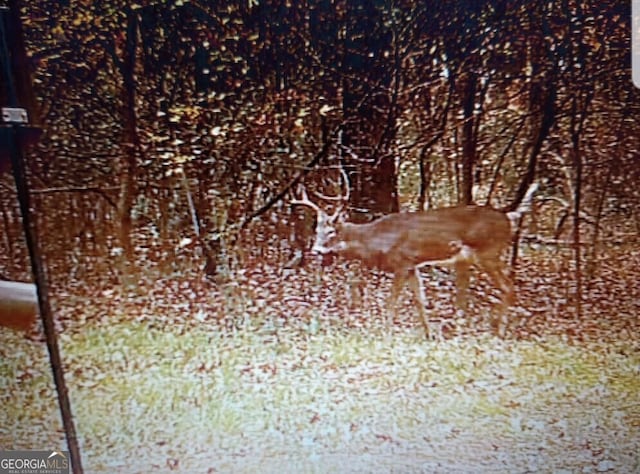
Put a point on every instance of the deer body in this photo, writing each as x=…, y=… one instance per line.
x=415, y=239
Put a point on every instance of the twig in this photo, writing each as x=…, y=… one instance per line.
x=80, y=189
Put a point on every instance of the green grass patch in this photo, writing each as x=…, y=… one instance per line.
x=136, y=388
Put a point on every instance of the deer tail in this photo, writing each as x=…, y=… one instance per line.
x=525, y=205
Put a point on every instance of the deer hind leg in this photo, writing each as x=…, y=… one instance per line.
x=496, y=273
x=502, y=281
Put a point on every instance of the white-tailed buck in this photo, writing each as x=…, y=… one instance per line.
x=401, y=243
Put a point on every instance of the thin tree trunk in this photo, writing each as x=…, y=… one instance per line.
x=369, y=113
x=593, y=252
x=7, y=232
x=577, y=164
x=425, y=180
x=542, y=98
x=469, y=150
x=577, y=124
x=131, y=139
x=547, y=119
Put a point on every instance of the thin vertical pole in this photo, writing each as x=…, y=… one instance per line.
x=37, y=268
x=12, y=132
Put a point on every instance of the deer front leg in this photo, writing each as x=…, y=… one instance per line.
x=463, y=272
x=355, y=287
x=413, y=277
x=396, y=288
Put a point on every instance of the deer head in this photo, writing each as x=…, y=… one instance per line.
x=328, y=226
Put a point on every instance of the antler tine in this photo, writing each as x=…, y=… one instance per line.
x=305, y=201
x=344, y=198
x=340, y=197
x=345, y=180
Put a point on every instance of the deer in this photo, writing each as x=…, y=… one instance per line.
x=402, y=243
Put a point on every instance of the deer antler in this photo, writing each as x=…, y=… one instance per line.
x=340, y=197
x=305, y=201
x=343, y=198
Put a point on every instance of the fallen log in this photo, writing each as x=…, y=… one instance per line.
x=18, y=305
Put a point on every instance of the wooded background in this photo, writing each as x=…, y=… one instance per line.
x=197, y=332
x=173, y=122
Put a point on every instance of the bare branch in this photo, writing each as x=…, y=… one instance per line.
x=80, y=189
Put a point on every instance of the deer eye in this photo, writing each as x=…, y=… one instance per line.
x=329, y=232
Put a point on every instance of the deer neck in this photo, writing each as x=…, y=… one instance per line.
x=352, y=240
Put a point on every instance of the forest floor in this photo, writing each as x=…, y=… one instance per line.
x=276, y=373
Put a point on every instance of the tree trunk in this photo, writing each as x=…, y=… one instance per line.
x=424, y=200
x=369, y=114
x=131, y=143
x=469, y=151
x=542, y=99
x=577, y=165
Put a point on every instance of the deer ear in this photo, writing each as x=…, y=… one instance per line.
x=341, y=216
x=338, y=221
